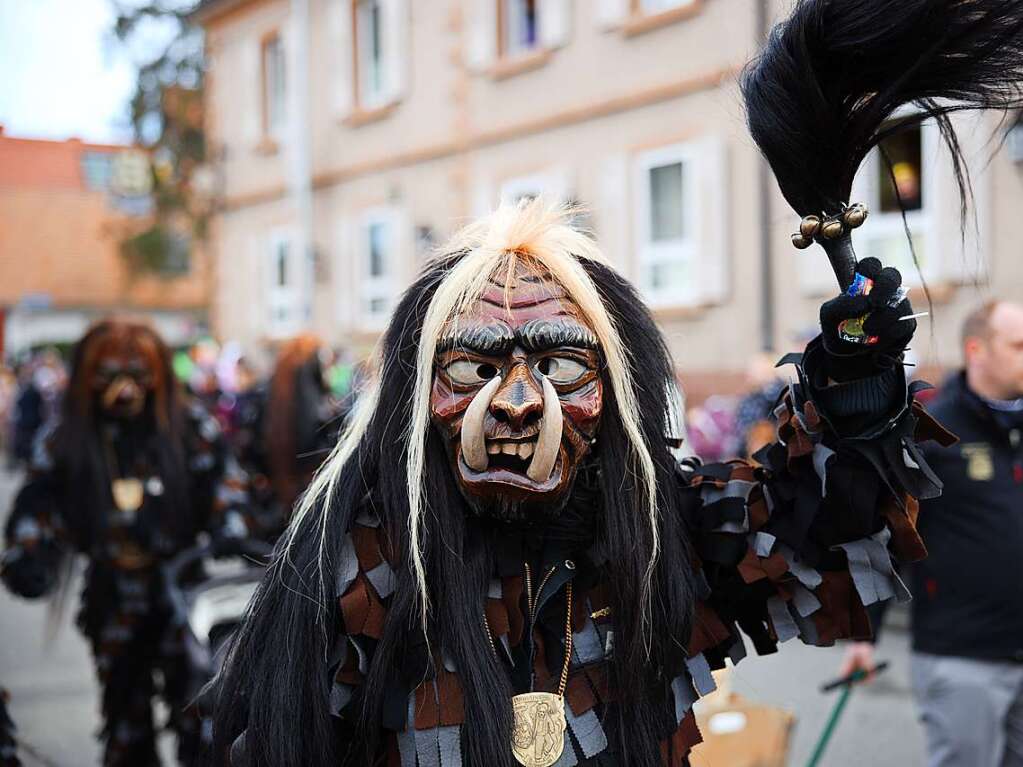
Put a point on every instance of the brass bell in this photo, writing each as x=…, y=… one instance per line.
x=855, y=215
x=801, y=241
x=809, y=225
x=832, y=229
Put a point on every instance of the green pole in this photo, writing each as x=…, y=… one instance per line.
x=836, y=713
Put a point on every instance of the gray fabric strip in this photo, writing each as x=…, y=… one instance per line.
x=737, y=651
x=367, y=518
x=735, y=488
x=568, y=756
x=494, y=590
x=427, y=747
x=804, y=574
x=821, y=454
x=340, y=696
x=383, y=579
x=363, y=658
x=348, y=568
x=448, y=661
x=685, y=696
x=449, y=739
x=871, y=567
x=782, y=621
x=763, y=544
x=407, y=738
x=807, y=630
x=587, y=731
x=586, y=644
x=805, y=602
x=700, y=671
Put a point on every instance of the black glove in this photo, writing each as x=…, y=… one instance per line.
x=860, y=351
x=30, y=575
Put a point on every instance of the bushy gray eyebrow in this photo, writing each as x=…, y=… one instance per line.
x=540, y=335
x=493, y=339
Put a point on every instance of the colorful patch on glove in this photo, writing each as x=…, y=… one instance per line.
x=851, y=330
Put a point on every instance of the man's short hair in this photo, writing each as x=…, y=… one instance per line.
x=978, y=322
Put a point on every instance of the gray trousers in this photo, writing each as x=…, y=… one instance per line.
x=972, y=710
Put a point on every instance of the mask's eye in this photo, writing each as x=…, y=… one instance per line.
x=561, y=370
x=468, y=373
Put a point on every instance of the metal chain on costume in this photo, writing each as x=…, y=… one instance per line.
x=531, y=605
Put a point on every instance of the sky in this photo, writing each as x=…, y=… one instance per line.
x=62, y=75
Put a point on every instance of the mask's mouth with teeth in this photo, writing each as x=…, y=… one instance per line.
x=531, y=463
x=510, y=455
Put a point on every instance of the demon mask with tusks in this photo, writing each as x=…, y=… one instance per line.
x=517, y=395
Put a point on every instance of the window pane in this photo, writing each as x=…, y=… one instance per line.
x=519, y=26
x=97, y=167
x=666, y=219
x=378, y=245
x=370, y=46
x=904, y=153
x=670, y=275
x=377, y=306
x=282, y=265
x=655, y=6
x=274, y=84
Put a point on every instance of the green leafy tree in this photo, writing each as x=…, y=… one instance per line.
x=167, y=120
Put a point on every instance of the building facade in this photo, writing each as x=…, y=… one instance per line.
x=65, y=206
x=355, y=135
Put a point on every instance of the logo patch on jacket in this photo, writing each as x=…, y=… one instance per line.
x=980, y=465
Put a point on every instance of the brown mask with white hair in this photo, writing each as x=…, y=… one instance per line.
x=517, y=396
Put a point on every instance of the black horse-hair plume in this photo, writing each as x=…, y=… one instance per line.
x=831, y=78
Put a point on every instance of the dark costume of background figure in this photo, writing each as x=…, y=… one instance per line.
x=280, y=447
x=414, y=597
x=172, y=454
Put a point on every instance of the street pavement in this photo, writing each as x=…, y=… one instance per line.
x=54, y=699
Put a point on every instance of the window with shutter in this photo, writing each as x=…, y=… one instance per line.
x=680, y=194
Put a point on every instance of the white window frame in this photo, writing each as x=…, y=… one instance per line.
x=888, y=227
x=275, y=100
x=379, y=93
x=656, y=7
x=287, y=307
x=507, y=42
x=683, y=250
x=382, y=287
x=705, y=209
x=553, y=185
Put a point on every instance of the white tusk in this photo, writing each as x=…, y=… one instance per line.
x=549, y=441
x=474, y=445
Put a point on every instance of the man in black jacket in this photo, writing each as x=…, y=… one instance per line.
x=967, y=667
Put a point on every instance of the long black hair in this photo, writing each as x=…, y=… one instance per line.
x=828, y=84
x=276, y=685
x=77, y=446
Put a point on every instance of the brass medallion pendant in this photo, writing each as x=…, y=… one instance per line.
x=128, y=493
x=538, y=737
x=539, y=724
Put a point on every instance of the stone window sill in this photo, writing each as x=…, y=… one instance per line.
x=640, y=23
x=364, y=116
x=517, y=65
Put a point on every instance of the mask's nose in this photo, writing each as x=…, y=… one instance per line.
x=519, y=401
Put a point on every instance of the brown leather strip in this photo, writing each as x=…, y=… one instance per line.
x=355, y=605
x=675, y=750
x=579, y=693
x=497, y=617
x=367, y=548
x=452, y=699
x=841, y=615
x=708, y=630
x=906, y=541
x=928, y=428
x=427, y=709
